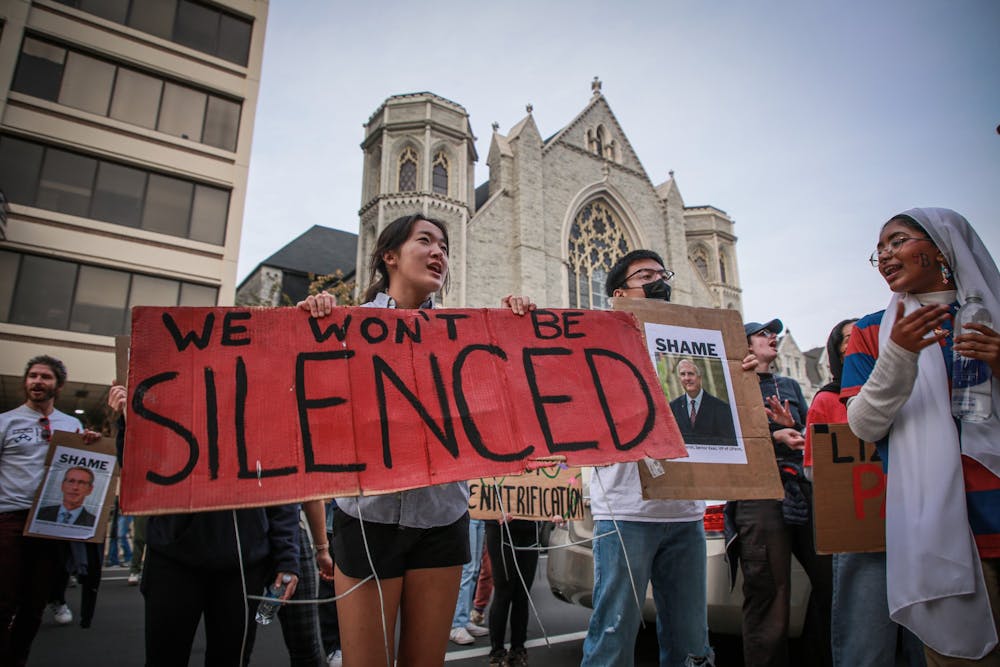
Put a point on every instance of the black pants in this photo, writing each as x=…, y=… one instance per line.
x=177, y=595
x=509, y=594
x=766, y=546
x=329, y=626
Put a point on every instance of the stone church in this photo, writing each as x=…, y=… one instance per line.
x=555, y=213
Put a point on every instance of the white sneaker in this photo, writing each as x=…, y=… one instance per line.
x=61, y=613
x=461, y=636
x=133, y=579
x=476, y=630
x=335, y=659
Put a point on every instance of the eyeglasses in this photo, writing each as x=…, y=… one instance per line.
x=765, y=333
x=46, y=429
x=892, y=247
x=647, y=276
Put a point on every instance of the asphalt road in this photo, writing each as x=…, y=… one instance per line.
x=116, y=636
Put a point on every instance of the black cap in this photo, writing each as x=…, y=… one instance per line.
x=774, y=325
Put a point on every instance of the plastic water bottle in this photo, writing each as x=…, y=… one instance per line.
x=268, y=608
x=971, y=379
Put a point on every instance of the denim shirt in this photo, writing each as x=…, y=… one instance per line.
x=427, y=507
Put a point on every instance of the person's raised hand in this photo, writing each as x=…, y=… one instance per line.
x=318, y=305
x=983, y=345
x=910, y=331
x=519, y=304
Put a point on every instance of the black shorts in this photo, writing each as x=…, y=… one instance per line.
x=396, y=549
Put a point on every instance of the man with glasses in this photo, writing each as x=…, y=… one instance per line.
x=704, y=419
x=664, y=540
x=27, y=564
x=77, y=484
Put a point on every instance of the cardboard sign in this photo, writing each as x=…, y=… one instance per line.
x=848, y=491
x=76, y=495
x=234, y=407
x=741, y=471
x=540, y=494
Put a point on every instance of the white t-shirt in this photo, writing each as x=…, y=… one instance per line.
x=22, y=453
x=616, y=489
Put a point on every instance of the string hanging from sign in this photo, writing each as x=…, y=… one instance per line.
x=517, y=568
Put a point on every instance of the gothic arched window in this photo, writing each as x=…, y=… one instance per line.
x=596, y=241
x=408, y=170
x=440, y=174
x=700, y=261
x=722, y=269
x=599, y=141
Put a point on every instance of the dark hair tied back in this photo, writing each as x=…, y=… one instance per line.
x=392, y=238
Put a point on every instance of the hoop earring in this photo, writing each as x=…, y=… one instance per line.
x=945, y=273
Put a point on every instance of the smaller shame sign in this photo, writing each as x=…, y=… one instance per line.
x=237, y=407
x=848, y=491
x=542, y=494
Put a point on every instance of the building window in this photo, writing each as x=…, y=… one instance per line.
x=440, y=174
x=408, y=170
x=596, y=242
x=66, y=182
x=193, y=24
x=85, y=298
x=600, y=143
x=700, y=260
x=722, y=269
x=80, y=81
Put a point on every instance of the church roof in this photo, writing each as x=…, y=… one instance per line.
x=813, y=371
x=319, y=250
x=482, y=194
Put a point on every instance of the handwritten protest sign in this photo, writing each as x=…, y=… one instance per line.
x=237, y=407
x=848, y=491
x=75, y=497
x=720, y=466
x=538, y=494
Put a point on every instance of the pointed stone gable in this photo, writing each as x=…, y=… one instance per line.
x=598, y=113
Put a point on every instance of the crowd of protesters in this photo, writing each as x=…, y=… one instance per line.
x=931, y=598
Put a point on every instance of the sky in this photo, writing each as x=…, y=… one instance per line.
x=809, y=123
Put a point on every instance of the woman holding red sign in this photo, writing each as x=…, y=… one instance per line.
x=416, y=541
x=943, y=491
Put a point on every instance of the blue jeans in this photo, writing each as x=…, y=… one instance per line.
x=670, y=555
x=470, y=573
x=862, y=633
x=120, y=538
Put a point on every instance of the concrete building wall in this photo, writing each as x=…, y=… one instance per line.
x=37, y=231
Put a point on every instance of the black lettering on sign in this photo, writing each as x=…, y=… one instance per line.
x=540, y=400
x=230, y=331
x=471, y=430
x=305, y=404
x=241, y=433
x=183, y=340
x=445, y=433
x=647, y=425
x=139, y=408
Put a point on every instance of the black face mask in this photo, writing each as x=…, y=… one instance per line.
x=658, y=289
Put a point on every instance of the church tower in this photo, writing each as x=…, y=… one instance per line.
x=419, y=156
x=711, y=247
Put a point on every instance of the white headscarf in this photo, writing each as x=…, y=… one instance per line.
x=935, y=582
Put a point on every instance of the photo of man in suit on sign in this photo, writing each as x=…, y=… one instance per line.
x=703, y=419
x=77, y=484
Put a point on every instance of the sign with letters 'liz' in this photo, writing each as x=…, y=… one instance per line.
x=237, y=407
x=848, y=491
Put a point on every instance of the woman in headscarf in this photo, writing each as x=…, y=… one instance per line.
x=943, y=491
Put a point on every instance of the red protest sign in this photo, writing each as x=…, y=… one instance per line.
x=237, y=407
